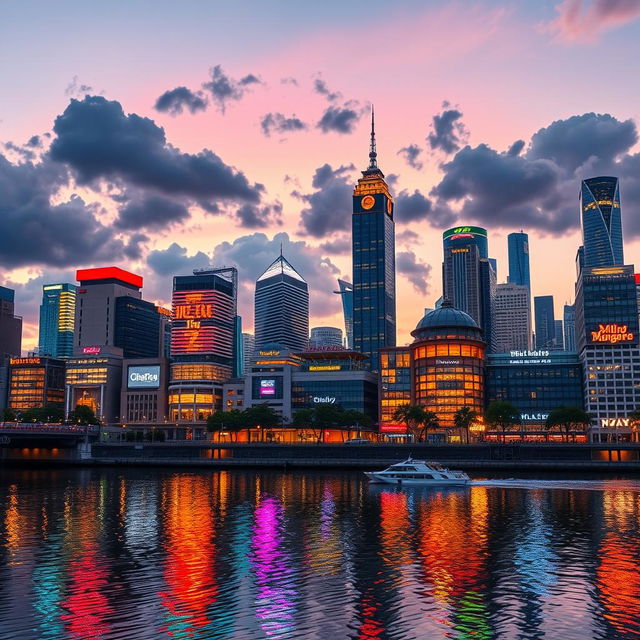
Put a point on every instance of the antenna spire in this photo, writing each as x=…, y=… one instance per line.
x=373, y=156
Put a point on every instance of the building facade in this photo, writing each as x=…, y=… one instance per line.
x=518, y=248
x=374, y=270
x=281, y=307
x=512, y=317
x=10, y=325
x=545, y=322
x=569, y=316
x=57, y=320
x=345, y=291
x=601, y=220
x=138, y=328
x=248, y=348
x=143, y=396
x=395, y=387
x=325, y=337
x=35, y=382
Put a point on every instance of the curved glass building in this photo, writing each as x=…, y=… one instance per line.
x=601, y=220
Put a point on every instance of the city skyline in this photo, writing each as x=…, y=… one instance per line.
x=305, y=162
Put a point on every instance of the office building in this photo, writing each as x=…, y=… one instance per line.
x=10, y=324
x=35, y=382
x=512, y=317
x=374, y=270
x=138, y=328
x=518, y=246
x=545, y=322
x=143, y=396
x=601, y=220
x=248, y=348
x=469, y=279
x=325, y=337
x=281, y=307
x=569, y=327
x=57, y=320
x=346, y=295
x=238, y=348
x=203, y=336
x=395, y=387
x=558, y=335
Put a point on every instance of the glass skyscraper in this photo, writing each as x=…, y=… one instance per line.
x=518, y=244
x=545, y=322
x=57, y=320
x=569, y=327
x=601, y=222
x=281, y=307
x=346, y=294
x=374, y=269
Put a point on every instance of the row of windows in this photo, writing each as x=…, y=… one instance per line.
x=431, y=351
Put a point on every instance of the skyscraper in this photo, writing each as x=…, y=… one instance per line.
x=469, y=279
x=601, y=222
x=282, y=307
x=248, y=348
x=10, y=324
x=374, y=267
x=518, y=244
x=325, y=337
x=346, y=294
x=545, y=322
x=512, y=318
x=569, y=327
x=57, y=319
x=558, y=335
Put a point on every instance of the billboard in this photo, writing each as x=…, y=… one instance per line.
x=267, y=388
x=87, y=397
x=143, y=376
x=611, y=333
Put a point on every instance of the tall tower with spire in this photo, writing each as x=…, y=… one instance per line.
x=374, y=261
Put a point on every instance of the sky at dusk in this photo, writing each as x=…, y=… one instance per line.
x=162, y=136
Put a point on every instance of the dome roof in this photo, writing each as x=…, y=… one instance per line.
x=446, y=316
x=273, y=346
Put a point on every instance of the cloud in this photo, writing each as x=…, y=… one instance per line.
x=281, y=124
x=410, y=154
x=516, y=148
x=174, y=261
x=320, y=86
x=224, y=88
x=174, y=101
x=77, y=89
x=408, y=236
x=416, y=272
x=98, y=141
x=585, y=21
x=289, y=80
x=329, y=206
x=339, y=245
x=448, y=131
x=412, y=207
x=151, y=212
x=255, y=217
x=339, y=119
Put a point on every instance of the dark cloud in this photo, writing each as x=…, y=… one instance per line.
x=35, y=142
x=133, y=248
x=416, y=272
x=289, y=80
x=320, y=86
x=98, y=141
x=174, y=261
x=329, y=206
x=224, y=88
x=256, y=217
x=408, y=236
x=151, y=212
x=339, y=245
x=281, y=124
x=339, y=119
x=412, y=207
x=410, y=155
x=24, y=152
x=448, y=132
x=176, y=100
x=516, y=148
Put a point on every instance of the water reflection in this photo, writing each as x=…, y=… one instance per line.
x=116, y=555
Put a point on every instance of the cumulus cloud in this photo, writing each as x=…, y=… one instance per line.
x=411, y=155
x=412, y=207
x=258, y=217
x=174, y=260
x=416, y=272
x=151, y=212
x=223, y=88
x=585, y=20
x=329, y=206
x=280, y=123
x=448, y=132
x=339, y=245
x=515, y=148
x=99, y=141
x=176, y=100
x=339, y=119
x=320, y=86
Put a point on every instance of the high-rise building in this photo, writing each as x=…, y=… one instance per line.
x=558, y=335
x=10, y=324
x=202, y=342
x=518, y=245
x=374, y=268
x=57, y=320
x=601, y=222
x=282, y=307
x=248, y=349
x=346, y=295
x=512, y=318
x=469, y=279
x=137, y=328
x=545, y=322
x=36, y=382
x=569, y=327
x=325, y=337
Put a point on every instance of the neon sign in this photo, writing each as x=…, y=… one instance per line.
x=612, y=333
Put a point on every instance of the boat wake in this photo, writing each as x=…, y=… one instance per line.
x=585, y=485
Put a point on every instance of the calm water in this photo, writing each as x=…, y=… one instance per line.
x=89, y=554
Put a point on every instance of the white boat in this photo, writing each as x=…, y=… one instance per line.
x=419, y=473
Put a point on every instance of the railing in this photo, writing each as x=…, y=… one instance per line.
x=43, y=427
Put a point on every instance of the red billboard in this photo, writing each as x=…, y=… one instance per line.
x=393, y=428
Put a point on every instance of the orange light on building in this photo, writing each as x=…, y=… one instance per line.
x=612, y=333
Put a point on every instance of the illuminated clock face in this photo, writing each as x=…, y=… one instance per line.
x=389, y=207
x=367, y=202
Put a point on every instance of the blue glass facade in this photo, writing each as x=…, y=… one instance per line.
x=358, y=395
x=518, y=245
x=57, y=320
x=137, y=328
x=545, y=322
x=346, y=294
x=601, y=222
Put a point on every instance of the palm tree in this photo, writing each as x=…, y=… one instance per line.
x=412, y=416
x=463, y=419
x=429, y=421
x=634, y=419
x=502, y=415
x=568, y=418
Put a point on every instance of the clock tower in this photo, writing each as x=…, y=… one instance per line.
x=374, y=268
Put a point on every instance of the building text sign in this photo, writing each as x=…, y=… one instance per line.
x=612, y=333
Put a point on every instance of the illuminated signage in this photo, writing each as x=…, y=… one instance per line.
x=608, y=423
x=109, y=273
x=267, y=388
x=24, y=361
x=533, y=417
x=612, y=333
x=193, y=311
x=325, y=367
x=393, y=428
x=91, y=350
x=143, y=377
x=324, y=399
x=269, y=353
x=459, y=250
x=447, y=362
x=470, y=231
x=607, y=271
x=52, y=287
x=529, y=354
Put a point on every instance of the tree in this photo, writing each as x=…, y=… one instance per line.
x=231, y=421
x=412, y=416
x=634, y=419
x=9, y=415
x=568, y=419
x=48, y=413
x=463, y=419
x=502, y=415
x=262, y=416
x=83, y=415
x=429, y=421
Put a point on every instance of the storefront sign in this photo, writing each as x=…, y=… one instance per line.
x=324, y=399
x=325, y=367
x=448, y=362
x=15, y=361
x=91, y=350
x=269, y=353
x=529, y=354
x=614, y=423
x=143, y=377
x=393, y=428
x=612, y=333
x=533, y=417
